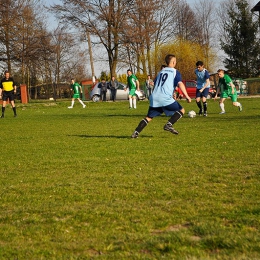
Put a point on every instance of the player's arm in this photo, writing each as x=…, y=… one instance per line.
x=137, y=85
x=217, y=91
x=205, y=85
x=232, y=86
x=184, y=91
x=1, y=91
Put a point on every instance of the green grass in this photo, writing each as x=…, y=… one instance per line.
x=74, y=185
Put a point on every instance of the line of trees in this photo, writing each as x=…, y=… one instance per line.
x=132, y=33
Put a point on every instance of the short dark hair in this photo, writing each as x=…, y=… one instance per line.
x=199, y=63
x=168, y=58
x=221, y=70
x=7, y=71
x=163, y=66
x=129, y=70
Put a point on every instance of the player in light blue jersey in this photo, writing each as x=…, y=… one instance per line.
x=162, y=101
x=203, y=85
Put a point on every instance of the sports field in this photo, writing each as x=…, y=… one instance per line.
x=74, y=185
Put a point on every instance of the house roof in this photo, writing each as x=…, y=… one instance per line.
x=256, y=7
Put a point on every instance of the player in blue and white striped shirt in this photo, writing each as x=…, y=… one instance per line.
x=162, y=101
x=203, y=85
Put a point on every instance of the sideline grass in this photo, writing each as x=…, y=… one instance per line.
x=74, y=185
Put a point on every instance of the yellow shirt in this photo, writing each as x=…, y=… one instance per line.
x=7, y=84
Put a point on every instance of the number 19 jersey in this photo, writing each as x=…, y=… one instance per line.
x=164, y=86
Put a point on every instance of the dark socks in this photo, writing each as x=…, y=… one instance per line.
x=14, y=109
x=205, y=106
x=141, y=125
x=199, y=105
x=176, y=116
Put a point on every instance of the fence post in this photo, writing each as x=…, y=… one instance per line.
x=24, y=95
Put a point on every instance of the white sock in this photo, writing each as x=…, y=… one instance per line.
x=72, y=103
x=81, y=102
x=238, y=104
x=130, y=102
x=222, y=107
x=134, y=102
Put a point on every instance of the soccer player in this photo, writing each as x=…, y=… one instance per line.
x=227, y=89
x=203, y=85
x=76, y=93
x=7, y=91
x=133, y=85
x=162, y=101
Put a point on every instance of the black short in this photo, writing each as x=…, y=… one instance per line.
x=8, y=95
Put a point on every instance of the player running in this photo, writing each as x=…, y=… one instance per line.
x=133, y=85
x=227, y=89
x=77, y=90
x=203, y=85
x=162, y=101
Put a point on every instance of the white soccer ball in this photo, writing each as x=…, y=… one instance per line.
x=191, y=113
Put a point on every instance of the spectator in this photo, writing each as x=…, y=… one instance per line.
x=113, y=86
x=103, y=90
x=149, y=86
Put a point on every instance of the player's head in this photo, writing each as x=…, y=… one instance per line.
x=200, y=65
x=170, y=60
x=129, y=72
x=221, y=73
x=7, y=74
x=72, y=80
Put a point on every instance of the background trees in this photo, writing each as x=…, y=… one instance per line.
x=240, y=40
x=123, y=34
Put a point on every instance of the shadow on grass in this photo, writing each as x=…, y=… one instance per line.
x=110, y=136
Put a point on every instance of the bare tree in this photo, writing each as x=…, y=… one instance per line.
x=207, y=27
x=102, y=19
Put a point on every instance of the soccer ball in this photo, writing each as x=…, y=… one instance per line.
x=191, y=113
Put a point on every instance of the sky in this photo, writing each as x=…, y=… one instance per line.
x=103, y=66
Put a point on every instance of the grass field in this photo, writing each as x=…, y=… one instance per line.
x=74, y=185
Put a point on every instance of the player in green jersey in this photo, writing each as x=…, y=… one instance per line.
x=227, y=89
x=77, y=90
x=133, y=85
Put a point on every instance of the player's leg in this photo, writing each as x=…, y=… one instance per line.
x=178, y=111
x=5, y=98
x=152, y=112
x=130, y=101
x=131, y=98
x=13, y=107
x=3, y=109
x=204, y=101
x=222, y=99
x=198, y=95
x=81, y=102
x=222, y=106
x=11, y=100
x=72, y=103
x=235, y=102
x=134, y=102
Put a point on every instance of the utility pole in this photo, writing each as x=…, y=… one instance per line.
x=91, y=56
